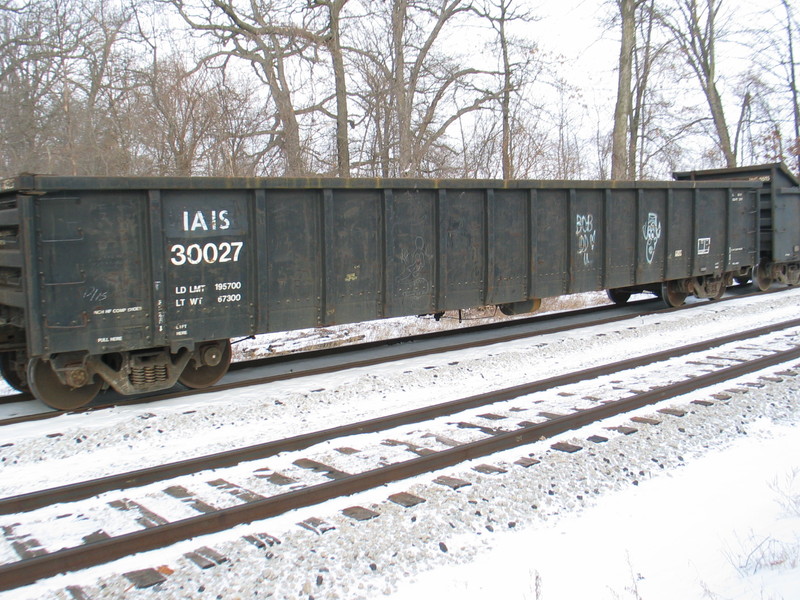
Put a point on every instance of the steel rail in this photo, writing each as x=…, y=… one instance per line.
x=32, y=569
x=86, y=489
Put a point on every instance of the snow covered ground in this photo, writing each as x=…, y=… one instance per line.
x=724, y=526
x=703, y=506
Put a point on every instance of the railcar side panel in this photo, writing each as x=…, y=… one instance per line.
x=207, y=243
x=786, y=225
x=649, y=231
x=353, y=255
x=742, y=230
x=411, y=241
x=509, y=254
x=586, y=240
x=552, y=233
x=620, y=235
x=463, y=248
x=294, y=258
x=710, y=226
x=88, y=261
x=680, y=234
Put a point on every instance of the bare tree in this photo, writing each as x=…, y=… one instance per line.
x=791, y=67
x=412, y=92
x=333, y=43
x=518, y=66
x=180, y=116
x=270, y=35
x=695, y=27
x=60, y=71
x=624, y=132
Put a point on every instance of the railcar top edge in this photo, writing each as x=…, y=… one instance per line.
x=49, y=183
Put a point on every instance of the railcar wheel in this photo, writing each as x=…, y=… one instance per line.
x=762, y=276
x=208, y=366
x=618, y=297
x=13, y=372
x=45, y=385
x=672, y=294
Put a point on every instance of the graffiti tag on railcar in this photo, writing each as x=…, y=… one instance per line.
x=412, y=281
x=651, y=231
x=587, y=237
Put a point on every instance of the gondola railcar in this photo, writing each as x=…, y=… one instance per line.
x=140, y=283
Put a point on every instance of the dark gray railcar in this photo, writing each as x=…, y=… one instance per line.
x=779, y=202
x=137, y=283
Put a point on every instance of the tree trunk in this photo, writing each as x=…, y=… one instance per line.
x=290, y=139
x=340, y=85
x=622, y=110
x=399, y=91
x=505, y=102
x=793, y=84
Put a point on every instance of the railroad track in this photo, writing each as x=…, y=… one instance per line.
x=484, y=435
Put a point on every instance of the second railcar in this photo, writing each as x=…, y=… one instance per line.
x=779, y=222
x=138, y=283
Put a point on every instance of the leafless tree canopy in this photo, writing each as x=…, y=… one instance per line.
x=389, y=88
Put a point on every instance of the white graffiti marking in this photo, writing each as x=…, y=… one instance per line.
x=651, y=231
x=587, y=237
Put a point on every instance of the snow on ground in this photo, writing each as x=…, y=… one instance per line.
x=700, y=507
x=727, y=525
x=317, y=338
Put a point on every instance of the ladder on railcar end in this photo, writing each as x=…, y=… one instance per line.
x=12, y=295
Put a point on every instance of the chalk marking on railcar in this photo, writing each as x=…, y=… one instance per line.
x=94, y=294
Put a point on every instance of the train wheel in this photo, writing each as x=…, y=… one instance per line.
x=762, y=276
x=208, y=366
x=13, y=371
x=618, y=297
x=672, y=294
x=45, y=385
